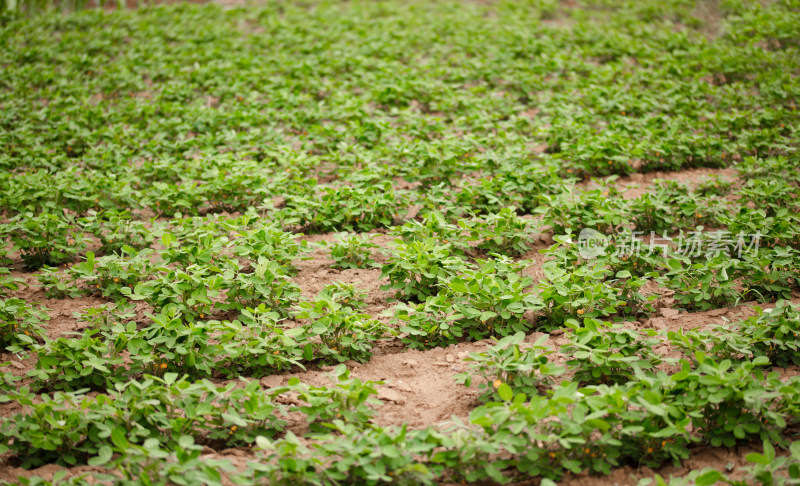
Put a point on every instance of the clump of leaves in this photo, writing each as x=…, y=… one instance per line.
x=489, y=301
x=21, y=323
x=346, y=208
x=352, y=251
x=601, y=353
x=506, y=364
x=502, y=232
x=58, y=284
x=86, y=361
x=270, y=243
x=348, y=399
x=769, y=273
x=415, y=268
x=772, y=333
x=706, y=284
x=714, y=186
x=46, y=239
x=116, y=229
x=341, y=330
x=602, y=209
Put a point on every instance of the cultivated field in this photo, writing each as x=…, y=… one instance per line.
x=412, y=242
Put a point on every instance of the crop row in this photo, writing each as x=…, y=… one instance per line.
x=615, y=410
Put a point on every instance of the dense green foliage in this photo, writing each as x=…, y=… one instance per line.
x=174, y=158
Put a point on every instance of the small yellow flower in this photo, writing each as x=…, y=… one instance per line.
x=163, y=366
x=497, y=383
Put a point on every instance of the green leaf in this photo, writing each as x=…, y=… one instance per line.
x=168, y=239
x=571, y=465
x=769, y=451
x=119, y=438
x=103, y=456
x=708, y=477
x=459, y=286
x=505, y=392
x=757, y=458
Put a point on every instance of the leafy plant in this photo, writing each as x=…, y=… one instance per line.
x=600, y=353
x=600, y=209
x=108, y=275
x=703, y=285
x=714, y=186
x=415, y=268
x=772, y=333
x=268, y=283
x=117, y=229
x=352, y=251
x=349, y=399
x=346, y=208
x=589, y=291
x=489, y=301
x=89, y=361
x=73, y=428
x=188, y=291
x=434, y=225
x=731, y=402
x=769, y=273
x=57, y=285
x=506, y=364
x=271, y=244
x=502, y=232
x=257, y=344
x=45, y=239
x=21, y=323
x=343, y=332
